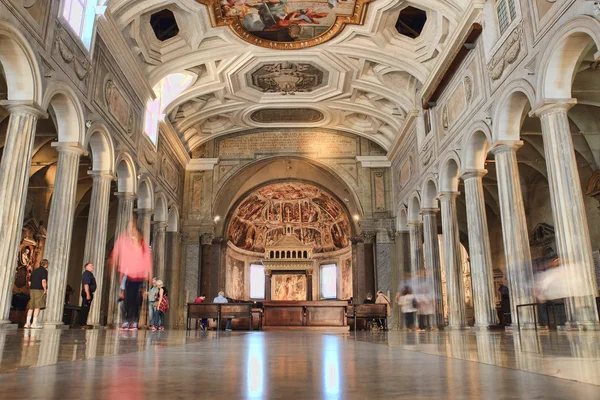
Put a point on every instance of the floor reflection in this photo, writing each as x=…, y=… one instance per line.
x=568, y=355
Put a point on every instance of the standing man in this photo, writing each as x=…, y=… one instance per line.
x=88, y=287
x=38, y=285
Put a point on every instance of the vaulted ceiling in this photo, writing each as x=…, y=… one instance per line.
x=363, y=80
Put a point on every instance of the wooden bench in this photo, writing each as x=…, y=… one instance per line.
x=219, y=311
x=367, y=311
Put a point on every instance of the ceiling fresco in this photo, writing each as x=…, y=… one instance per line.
x=287, y=115
x=317, y=219
x=286, y=24
x=287, y=77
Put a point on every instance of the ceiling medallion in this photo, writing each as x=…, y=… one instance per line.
x=286, y=24
x=287, y=77
x=287, y=115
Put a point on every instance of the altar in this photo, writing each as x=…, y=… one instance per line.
x=311, y=315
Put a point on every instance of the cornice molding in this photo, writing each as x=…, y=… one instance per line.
x=409, y=123
x=173, y=141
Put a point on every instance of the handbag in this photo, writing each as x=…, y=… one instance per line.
x=164, y=304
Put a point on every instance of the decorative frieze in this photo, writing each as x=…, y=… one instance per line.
x=506, y=55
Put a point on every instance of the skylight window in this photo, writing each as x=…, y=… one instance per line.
x=81, y=16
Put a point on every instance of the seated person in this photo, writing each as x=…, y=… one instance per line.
x=220, y=299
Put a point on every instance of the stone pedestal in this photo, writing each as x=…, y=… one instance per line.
x=432, y=263
x=60, y=229
x=14, y=177
x=95, y=239
x=514, y=231
x=124, y=217
x=482, y=275
x=455, y=291
x=570, y=220
x=158, y=249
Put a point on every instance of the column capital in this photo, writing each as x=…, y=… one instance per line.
x=473, y=173
x=24, y=107
x=448, y=195
x=416, y=222
x=356, y=239
x=206, y=238
x=503, y=146
x=550, y=106
x=159, y=224
x=69, y=147
x=126, y=195
x=102, y=175
x=144, y=211
x=429, y=211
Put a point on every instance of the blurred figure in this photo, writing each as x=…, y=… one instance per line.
x=133, y=258
x=369, y=299
x=38, y=288
x=408, y=305
x=220, y=299
x=425, y=307
x=199, y=300
x=152, y=293
x=88, y=287
x=382, y=299
x=161, y=306
x=504, y=304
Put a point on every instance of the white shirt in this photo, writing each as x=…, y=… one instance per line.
x=406, y=303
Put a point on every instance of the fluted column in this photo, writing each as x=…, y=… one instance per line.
x=205, y=273
x=514, y=231
x=158, y=249
x=415, y=229
x=14, y=178
x=60, y=229
x=432, y=263
x=95, y=239
x=124, y=217
x=455, y=291
x=570, y=220
x=144, y=223
x=479, y=250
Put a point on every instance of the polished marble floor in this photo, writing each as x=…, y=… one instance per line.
x=109, y=364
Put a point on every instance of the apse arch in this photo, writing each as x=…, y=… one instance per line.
x=70, y=120
x=23, y=76
x=513, y=106
x=560, y=60
x=100, y=144
x=281, y=168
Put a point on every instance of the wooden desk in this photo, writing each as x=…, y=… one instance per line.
x=305, y=314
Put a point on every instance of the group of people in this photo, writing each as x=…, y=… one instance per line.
x=412, y=305
x=158, y=303
x=220, y=299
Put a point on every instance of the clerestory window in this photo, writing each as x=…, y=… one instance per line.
x=81, y=16
x=506, y=11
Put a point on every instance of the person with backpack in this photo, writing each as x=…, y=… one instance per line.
x=408, y=305
x=162, y=305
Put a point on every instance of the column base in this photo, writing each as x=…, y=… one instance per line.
x=525, y=326
x=480, y=328
x=55, y=326
x=582, y=326
x=457, y=327
x=6, y=324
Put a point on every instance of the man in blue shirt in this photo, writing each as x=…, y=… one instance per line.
x=220, y=299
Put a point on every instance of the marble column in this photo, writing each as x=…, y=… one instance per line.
x=358, y=260
x=400, y=271
x=158, y=249
x=514, y=231
x=95, y=239
x=144, y=224
x=455, y=291
x=60, y=229
x=417, y=266
x=14, y=178
x=570, y=220
x=205, y=274
x=124, y=217
x=176, y=286
x=432, y=263
x=482, y=275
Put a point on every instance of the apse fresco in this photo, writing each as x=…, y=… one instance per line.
x=288, y=287
x=317, y=219
x=286, y=24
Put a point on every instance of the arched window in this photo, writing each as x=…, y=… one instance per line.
x=165, y=91
x=257, y=281
x=328, y=281
x=288, y=254
x=81, y=16
x=305, y=254
x=294, y=254
x=277, y=254
x=272, y=254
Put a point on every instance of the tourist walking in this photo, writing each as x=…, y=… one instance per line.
x=88, y=287
x=220, y=299
x=425, y=307
x=152, y=293
x=408, y=305
x=383, y=299
x=38, y=288
x=161, y=306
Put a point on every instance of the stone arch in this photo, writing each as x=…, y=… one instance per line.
x=101, y=147
x=161, y=213
x=449, y=174
x=414, y=208
x=173, y=219
x=402, y=219
x=430, y=192
x=476, y=146
x=145, y=193
x=512, y=109
x=561, y=60
x=70, y=120
x=23, y=76
x=126, y=174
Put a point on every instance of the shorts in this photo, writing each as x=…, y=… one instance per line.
x=37, y=299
